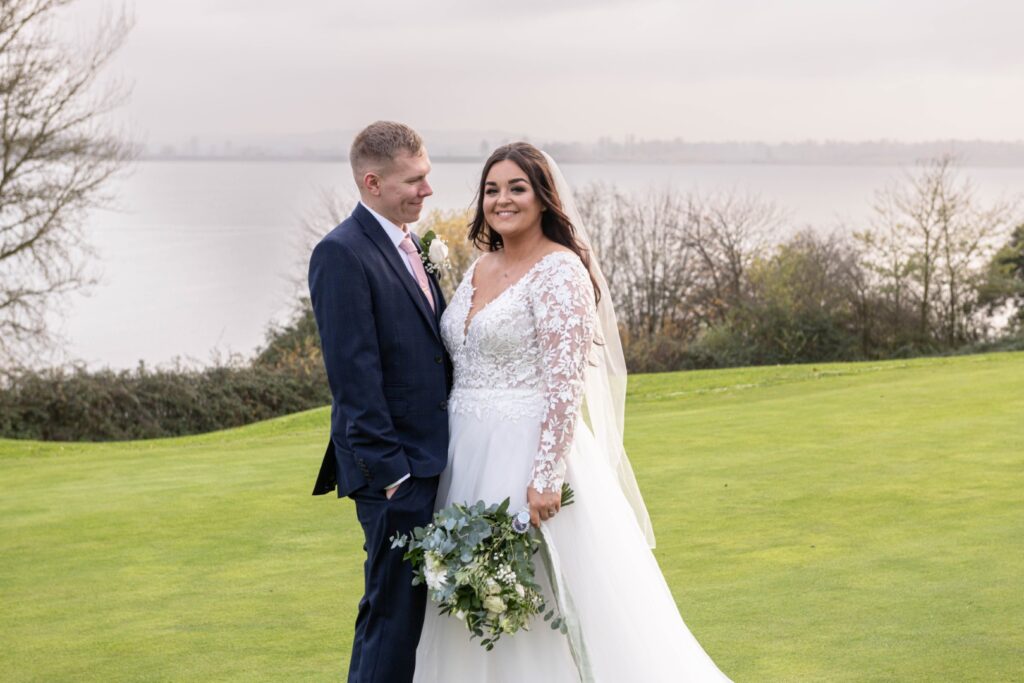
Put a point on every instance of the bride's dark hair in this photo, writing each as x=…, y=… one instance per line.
x=555, y=225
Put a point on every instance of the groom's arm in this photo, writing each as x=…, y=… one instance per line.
x=340, y=294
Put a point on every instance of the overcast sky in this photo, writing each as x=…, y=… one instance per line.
x=703, y=70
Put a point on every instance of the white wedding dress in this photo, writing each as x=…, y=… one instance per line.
x=514, y=414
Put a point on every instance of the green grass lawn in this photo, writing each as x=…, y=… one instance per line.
x=852, y=522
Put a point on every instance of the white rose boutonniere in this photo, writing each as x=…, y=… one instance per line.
x=434, y=254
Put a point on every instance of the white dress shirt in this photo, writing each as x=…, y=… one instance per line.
x=396, y=234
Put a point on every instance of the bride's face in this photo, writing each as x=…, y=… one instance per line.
x=511, y=207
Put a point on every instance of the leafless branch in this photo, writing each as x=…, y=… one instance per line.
x=57, y=155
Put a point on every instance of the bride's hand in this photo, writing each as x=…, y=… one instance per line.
x=543, y=506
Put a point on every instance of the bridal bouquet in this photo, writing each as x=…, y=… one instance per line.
x=476, y=561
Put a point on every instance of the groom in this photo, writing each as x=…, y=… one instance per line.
x=378, y=311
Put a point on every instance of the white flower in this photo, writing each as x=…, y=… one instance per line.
x=438, y=251
x=494, y=604
x=520, y=590
x=460, y=615
x=435, y=571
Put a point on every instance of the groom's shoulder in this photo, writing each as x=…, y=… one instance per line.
x=339, y=246
x=347, y=234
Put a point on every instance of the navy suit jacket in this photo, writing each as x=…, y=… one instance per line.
x=387, y=367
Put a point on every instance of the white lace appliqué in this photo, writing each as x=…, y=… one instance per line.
x=524, y=355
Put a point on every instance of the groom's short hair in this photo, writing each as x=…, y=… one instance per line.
x=379, y=143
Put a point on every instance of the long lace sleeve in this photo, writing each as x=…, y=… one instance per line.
x=563, y=309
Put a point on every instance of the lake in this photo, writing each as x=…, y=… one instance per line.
x=198, y=257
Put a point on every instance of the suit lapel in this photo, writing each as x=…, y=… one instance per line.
x=439, y=302
x=380, y=239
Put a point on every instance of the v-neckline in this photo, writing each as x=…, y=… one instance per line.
x=470, y=316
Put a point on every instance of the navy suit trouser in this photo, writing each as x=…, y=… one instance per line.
x=391, y=611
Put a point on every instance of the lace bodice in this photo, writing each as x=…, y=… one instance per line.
x=524, y=354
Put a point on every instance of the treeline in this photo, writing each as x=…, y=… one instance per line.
x=872, y=152
x=699, y=281
x=714, y=281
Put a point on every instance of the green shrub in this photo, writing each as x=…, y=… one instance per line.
x=78, y=405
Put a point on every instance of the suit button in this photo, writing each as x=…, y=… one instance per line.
x=443, y=405
x=438, y=359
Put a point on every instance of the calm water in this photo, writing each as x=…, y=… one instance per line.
x=200, y=256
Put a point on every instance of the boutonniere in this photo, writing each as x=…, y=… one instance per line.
x=434, y=254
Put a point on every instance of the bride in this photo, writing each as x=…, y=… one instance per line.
x=537, y=400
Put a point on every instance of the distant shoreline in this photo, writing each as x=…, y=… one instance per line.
x=277, y=158
x=631, y=151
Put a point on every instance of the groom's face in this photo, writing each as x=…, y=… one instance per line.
x=402, y=187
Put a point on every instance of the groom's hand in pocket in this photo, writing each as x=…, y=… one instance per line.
x=390, y=491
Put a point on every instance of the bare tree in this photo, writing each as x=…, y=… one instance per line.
x=676, y=263
x=912, y=211
x=294, y=344
x=726, y=232
x=56, y=157
x=637, y=241
x=968, y=232
x=330, y=209
x=887, y=259
x=928, y=246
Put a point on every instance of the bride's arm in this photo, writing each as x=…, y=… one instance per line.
x=564, y=313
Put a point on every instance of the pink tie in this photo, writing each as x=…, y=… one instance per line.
x=413, y=257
